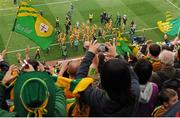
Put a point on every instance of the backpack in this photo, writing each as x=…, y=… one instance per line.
x=173, y=82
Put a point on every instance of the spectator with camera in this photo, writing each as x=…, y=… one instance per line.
x=120, y=83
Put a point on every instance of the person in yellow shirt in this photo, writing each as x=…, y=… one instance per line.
x=90, y=17
x=110, y=26
x=72, y=37
x=37, y=53
x=87, y=29
x=59, y=37
x=93, y=29
x=63, y=39
x=78, y=35
x=83, y=28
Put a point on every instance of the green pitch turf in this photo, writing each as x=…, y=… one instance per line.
x=145, y=13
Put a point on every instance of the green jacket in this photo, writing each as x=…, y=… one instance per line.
x=59, y=109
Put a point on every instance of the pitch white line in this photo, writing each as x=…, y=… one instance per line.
x=20, y=50
x=147, y=29
x=51, y=3
x=173, y=4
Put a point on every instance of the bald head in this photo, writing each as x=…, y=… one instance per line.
x=72, y=68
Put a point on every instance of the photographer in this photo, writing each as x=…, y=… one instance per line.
x=121, y=87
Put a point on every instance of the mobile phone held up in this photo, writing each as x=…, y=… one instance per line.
x=102, y=48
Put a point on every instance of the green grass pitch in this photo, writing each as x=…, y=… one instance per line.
x=145, y=13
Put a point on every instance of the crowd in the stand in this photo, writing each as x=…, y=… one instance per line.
x=145, y=82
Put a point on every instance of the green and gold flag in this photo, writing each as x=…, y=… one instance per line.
x=122, y=47
x=171, y=27
x=32, y=25
x=75, y=86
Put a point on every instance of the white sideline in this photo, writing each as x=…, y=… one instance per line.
x=173, y=4
x=73, y=59
x=20, y=50
x=50, y=3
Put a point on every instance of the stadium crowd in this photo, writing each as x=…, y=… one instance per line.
x=102, y=83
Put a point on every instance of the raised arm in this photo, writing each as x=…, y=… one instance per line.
x=86, y=62
x=3, y=54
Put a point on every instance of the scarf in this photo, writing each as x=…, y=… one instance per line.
x=146, y=92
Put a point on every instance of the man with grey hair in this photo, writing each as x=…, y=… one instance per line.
x=167, y=58
x=167, y=70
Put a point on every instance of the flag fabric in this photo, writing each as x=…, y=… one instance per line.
x=168, y=16
x=171, y=27
x=32, y=25
x=122, y=47
x=135, y=49
x=74, y=85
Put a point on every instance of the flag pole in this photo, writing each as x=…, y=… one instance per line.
x=11, y=32
x=178, y=32
x=9, y=39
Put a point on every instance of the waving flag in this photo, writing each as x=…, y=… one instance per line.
x=122, y=47
x=171, y=27
x=32, y=25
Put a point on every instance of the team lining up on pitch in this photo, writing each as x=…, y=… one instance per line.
x=124, y=76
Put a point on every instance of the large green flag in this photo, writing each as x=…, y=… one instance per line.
x=171, y=27
x=122, y=47
x=32, y=25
